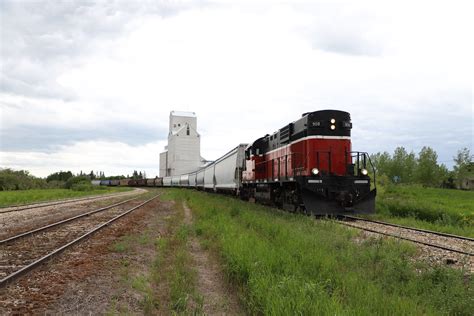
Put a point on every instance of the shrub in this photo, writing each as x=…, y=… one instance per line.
x=19, y=180
x=76, y=180
x=82, y=186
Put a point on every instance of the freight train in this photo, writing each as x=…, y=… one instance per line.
x=307, y=166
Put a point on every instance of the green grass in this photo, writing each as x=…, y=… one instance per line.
x=445, y=210
x=32, y=196
x=184, y=298
x=142, y=282
x=285, y=264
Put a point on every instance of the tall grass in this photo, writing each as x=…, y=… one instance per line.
x=290, y=264
x=32, y=196
x=445, y=210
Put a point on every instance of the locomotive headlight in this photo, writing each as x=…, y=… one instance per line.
x=315, y=171
x=364, y=172
x=333, y=127
x=333, y=121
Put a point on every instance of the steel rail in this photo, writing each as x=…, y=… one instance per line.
x=45, y=204
x=407, y=239
x=410, y=228
x=18, y=273
x=62, y=222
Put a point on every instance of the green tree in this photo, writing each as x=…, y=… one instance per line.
x=382, y=163
x=403, y=165
x=59, y=176
x=19, y=180
x=427, y=171
x=463, y=161
x=80, y=183
x=443, y=173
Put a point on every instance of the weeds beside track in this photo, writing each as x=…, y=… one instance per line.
x=286, y=264
x=444, y=210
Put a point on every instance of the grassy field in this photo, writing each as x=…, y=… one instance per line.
x=285, y=264
x=450, y=211
x=32, y=196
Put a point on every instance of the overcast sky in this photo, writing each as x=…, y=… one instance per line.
x=89, y=84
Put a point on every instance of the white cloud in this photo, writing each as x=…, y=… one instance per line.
x=402, y=69
x=111, y=157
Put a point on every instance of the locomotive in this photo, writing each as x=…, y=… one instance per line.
x=307, y=166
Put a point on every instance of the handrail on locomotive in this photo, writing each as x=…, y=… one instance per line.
x=358, y=162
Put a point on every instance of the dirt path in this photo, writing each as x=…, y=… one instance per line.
x=218, y=298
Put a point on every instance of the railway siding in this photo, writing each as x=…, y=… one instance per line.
x=20, y=254
x=12, y=223
x=69, y=219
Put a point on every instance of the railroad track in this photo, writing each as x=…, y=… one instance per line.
x=15, y=208
x=23, y=252
x=448, y=242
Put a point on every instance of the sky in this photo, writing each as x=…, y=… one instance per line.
x=89, y=85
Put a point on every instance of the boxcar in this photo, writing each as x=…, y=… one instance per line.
x=141, y=182
x=104, y=182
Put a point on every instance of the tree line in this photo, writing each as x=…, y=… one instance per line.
x=22, y=180
x=400, y=167
x=407, y=167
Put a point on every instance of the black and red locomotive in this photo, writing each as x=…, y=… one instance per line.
x=309, y=166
